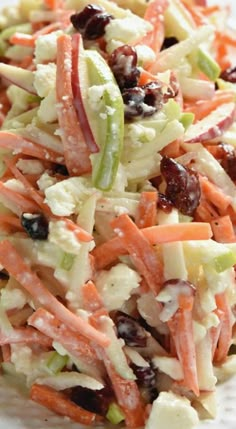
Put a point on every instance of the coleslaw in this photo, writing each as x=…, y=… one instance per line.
x=117, y=208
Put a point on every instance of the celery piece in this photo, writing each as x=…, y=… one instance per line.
x=186, y=119
x=114, y=414
x=172, y=109
x=224, y=261
x=3, y=47
x=56, y=362
x=67, y=261
x=207, y=64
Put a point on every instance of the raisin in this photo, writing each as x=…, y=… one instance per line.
x=123, y=62
x=91, y=21
x=229, y=165
x=146, y=376
x=128, y=328
x=229, y=75
x=142, y=100
x=61, y=169
x=35, y=225
x=164, y=203
x=95, y=401
x=183, y=187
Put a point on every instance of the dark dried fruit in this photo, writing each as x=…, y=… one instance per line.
x=61, y=169
x=95, y=401
x=123, y=62
x=36, y=225
x=143, y=100
x=183, y=187
x=146, y=376
x=164, y=203
x=229, y=75
x=168, y=42
x=91, y=21
x=229, y=165
x=128, y=328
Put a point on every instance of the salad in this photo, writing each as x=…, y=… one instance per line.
x=118, y=208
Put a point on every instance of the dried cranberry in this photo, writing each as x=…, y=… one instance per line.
x=229, y=75
x=183, y=187
x=95, y=401
x=130, y=330
x=153, y=94
x=91, y=21
x=229, y=165
x=79, y=20
x=146, y=376
x=168, y=42
x=134, y=102
x=4, y=275
x=123, y=62
x=36, y=225
x=164, y=203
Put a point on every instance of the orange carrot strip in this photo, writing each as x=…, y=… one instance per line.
x=60, y=404
x=108, y=252
x=195, y=13
x=16, y=266
x=17, y=202
x=75, y=343
x=209, y=10
x=20, y=145
x=225, y=337
x=6, y=353
x=75, y=148
x=10, y=220
x=214, y=331
x=203, y=108
x=92, y=300
x=147, y=210
x=226, y=38
x=128, y=397
x=172, y=150
x=50, y=4
x=205, y=212
x=34, y=194
x=154, y=14
x=79, y=232
x=25, y=335
x=146, y=77
x=223, y=229
x=22, y=39
x=142, y=253
x=214, y=194
x=181, y=328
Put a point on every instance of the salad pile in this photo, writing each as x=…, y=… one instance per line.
x=118, y=208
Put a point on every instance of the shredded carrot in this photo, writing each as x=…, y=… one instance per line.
x=15, y=201
x=205, y=211
x=19, y=144
x=147, y=210
x=142, y=253
x=223, y=229
x=154, y=14
x=17, y=267
x=202, y=108
x=10, y=220
x=225, y=337
x=108, y=252
x=75, y=148
x=226, y=38
x=195, y=13
x=51, y=4
x=22, y=39
x=209, y=10
x=146, y=77
x=91, y=298
x=25, y=335
x=181, y=328
x=75, y=343
x=214, y=194
x=79, y=232
x=60, y=404
x=172, y=150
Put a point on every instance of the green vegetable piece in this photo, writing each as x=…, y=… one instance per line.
x=110, y=122
x=208, y=65
x=187, y=119
x=67, y=261
x=56, y=362
x=21, y=28
x=114, y=414
x=3, y=47
x=224, y=261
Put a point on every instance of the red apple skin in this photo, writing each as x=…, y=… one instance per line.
x=204, y=130
x=78, y=100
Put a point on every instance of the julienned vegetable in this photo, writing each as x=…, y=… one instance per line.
x=117, y=208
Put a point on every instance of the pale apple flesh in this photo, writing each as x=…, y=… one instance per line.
x=213, y=125
x=19, y=77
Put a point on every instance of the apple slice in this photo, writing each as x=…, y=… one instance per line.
x=19, y=77
x=213, y=125
x=78, y=78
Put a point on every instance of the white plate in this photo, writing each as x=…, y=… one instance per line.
x=17, y=412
